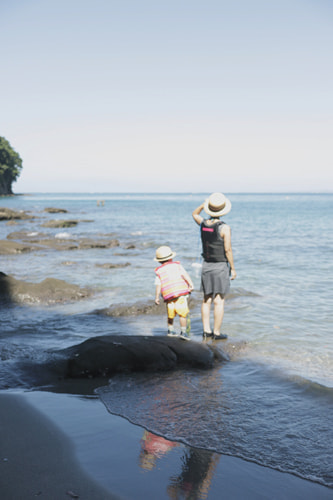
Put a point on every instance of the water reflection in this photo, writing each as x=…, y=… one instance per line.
x=197, y=469
x=153, y=447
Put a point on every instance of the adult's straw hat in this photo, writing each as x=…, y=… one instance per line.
x=164, y=253
x=217, y=205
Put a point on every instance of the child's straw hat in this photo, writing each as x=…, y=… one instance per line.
x=164, y=253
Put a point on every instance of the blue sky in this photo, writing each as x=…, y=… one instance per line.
x=177, y=96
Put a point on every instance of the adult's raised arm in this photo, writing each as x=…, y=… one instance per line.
x=196, y=214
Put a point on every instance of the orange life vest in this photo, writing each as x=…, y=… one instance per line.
x=173, y=284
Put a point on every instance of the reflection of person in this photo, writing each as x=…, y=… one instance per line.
x=152, y=448
x=217, y=259
x=174, y=283
x=194, y=481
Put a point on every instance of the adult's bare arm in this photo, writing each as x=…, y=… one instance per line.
x=226, y=233
x=196, y=214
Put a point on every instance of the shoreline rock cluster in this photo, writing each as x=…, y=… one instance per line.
x=51, y=290
x=27, y=241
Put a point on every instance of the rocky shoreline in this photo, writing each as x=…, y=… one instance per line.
x=97, y=356
x=50, y=290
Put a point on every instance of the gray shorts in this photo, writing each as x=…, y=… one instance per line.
x=215, y=278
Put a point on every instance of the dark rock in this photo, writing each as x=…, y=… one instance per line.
x=58, y=244
x=49, y=291
x=90, y=243
x=33, y=236
x=81, y=368
x=13, y=247
x=52, y=210
x=106, y=355
x=139, y=308
x=8, y=214
x=113, y=266
x=136, y=309
x=60, y=223
x=55, y=243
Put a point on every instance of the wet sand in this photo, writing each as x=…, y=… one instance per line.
x=37, y=459
x=60, y=446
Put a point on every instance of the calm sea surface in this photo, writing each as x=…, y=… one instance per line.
x=272, y=404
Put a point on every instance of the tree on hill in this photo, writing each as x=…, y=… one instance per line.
x=10, y=166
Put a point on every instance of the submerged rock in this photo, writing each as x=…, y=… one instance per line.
x=113, y=266
x=8, y=214
x=91, y=243
x=60, y=223
x=33, y=236
x=52, y=210
x=49, y=291
x=14, y=247
x=137, y=309
x=61, y=241
x=109, y=354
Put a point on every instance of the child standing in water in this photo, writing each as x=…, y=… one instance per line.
x=174, y=284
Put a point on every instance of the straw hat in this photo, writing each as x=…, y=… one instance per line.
x=217, y=205
x=164, y=253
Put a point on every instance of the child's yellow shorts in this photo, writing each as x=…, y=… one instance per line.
x=178, y=306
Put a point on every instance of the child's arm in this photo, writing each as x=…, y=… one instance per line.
x=188, y=280
x=157, y=293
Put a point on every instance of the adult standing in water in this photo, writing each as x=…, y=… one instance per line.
x=218, y=262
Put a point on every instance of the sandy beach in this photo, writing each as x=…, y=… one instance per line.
x=60, y=446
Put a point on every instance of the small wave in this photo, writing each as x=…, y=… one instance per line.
x=241, y=292
x=283, y=428
x=62, y=236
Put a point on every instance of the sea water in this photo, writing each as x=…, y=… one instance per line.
x=272, y=404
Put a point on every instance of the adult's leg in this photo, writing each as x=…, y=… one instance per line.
x=183, y=322
x=218, y=313
x=205, y=313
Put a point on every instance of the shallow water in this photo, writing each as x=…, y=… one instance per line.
x=273, y=403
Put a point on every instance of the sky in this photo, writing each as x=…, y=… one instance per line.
x=177, y=96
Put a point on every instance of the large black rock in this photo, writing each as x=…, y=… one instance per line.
x=105, y=355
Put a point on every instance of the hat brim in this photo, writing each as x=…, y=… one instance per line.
x=222, y=212
x=168, y=257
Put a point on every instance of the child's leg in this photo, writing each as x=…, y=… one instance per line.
x=171, y=315
x=183, y=323
x=183, y=312
x=184, y=330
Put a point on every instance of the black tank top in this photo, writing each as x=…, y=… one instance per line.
x=212, y=242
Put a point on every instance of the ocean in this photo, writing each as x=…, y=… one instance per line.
x=272, y=403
